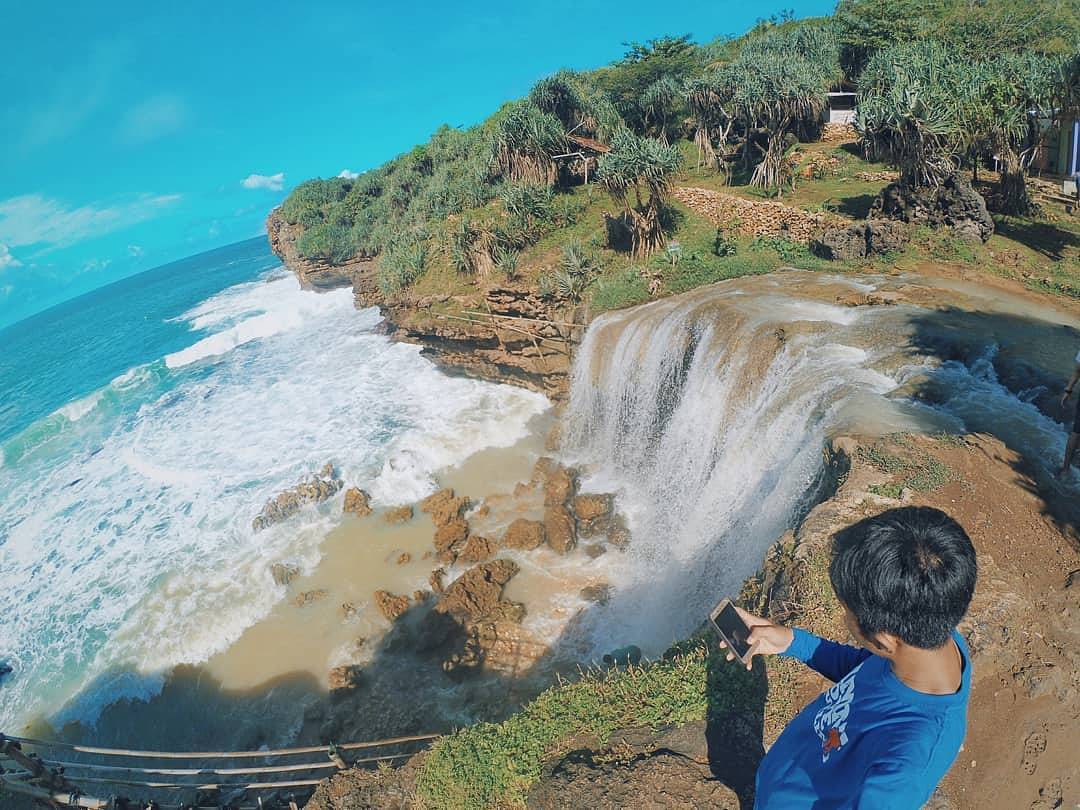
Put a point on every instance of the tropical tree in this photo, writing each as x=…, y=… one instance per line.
x=777, y=81
x=578, y=103
x=637, y=174
x=712, y=116
x=910, y=112
x=524, y=140
x=658, y=103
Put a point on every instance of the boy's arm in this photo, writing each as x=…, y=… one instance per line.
x=831, y=659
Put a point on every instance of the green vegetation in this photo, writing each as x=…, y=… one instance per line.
x=913, y=469
x=494, y=764
x=944, y=86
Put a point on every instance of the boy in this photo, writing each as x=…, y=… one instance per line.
x=887, y=732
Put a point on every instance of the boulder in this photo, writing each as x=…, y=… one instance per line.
x=560, y=529
x=860, y=239
x=391, y=606
x=344, y=679
x=599, y=594
x=357, y=502
x=404, y=558
x=953, y=204
x=591, y=510
x=399, y=514
x=443, y=507
x=315, y=489
x=476, y=549
x=283, y=573
x=477, y=594
x=349, y=610
x=559, y=482
x=435, y=580
x=524, y=535
x=448, y=538
x=309, y=597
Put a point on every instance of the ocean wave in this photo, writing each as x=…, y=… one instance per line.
x=129, y=546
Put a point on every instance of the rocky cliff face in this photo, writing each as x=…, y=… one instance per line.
x=499, y=334
x=312, y=274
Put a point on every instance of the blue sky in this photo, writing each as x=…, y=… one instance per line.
x=136, y=133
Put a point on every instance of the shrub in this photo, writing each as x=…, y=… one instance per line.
x=506, y=261
x=494, y=764
x=326, y=241
x=724, y=245
x=401, y=265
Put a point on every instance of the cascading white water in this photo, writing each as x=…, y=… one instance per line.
x=707, y=414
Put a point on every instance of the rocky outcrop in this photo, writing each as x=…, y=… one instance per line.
x=283, y=573
x=477, y=594
x=316, y=489
x=357, y=502
x=444, y=507
x=524, y=535
x=312, y=274
x=449, y=538
x=953, y=204
x=310, y=597
x=559, y=529
x=476, y=549
x=391, y=606
x=859, y=240
x=517, y=339
x=592, y=511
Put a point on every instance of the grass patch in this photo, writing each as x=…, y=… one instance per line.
x=915, y=470
x=494, y=764
x=624, y=288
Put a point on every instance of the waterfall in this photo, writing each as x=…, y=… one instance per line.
x=707, y=414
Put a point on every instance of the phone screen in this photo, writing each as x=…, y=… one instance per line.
x=732, y=628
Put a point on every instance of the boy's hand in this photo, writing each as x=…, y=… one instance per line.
x=766, y=638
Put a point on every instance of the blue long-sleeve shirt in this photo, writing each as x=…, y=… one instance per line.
x=870, y=742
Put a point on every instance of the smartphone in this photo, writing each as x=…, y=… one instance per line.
x=732, y=629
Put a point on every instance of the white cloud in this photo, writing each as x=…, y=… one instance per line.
x=348, y=175
x=33, y=219
x=6, y=290
x=271, y=182
x=153, y=118
x=94, y=265
x=6, y=259
x=135, y=251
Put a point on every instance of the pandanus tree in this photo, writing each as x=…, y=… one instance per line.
x=637, y=173
x=779, y=80
x=659, y=102
x=709, y=98
x=579, y=105
x=911, y=111
x=524, y=140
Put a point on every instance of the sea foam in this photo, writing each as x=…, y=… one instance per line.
x=127, y=547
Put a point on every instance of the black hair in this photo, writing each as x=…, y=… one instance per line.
x=909, y=572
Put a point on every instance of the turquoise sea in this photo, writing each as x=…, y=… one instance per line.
x=142, y=427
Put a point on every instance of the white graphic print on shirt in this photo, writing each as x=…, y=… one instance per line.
x=830, y=723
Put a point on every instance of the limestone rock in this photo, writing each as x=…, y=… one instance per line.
x=559, y=482
x=349, y=610
x=444, y=507
x=477, y=549
x=357, y=502
x=477, y=593
x=560, y=529
x=308, y=597
x=404, y=558
x=524, y=534
x=344, y=679
x=860, y=240
x=391, y=606
x=953, y=204
x=435, y=580
x=448, y=538
x=599, y=594
x=400, y=514
x=283, y=573
x=592, y=509
x=315, y=489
